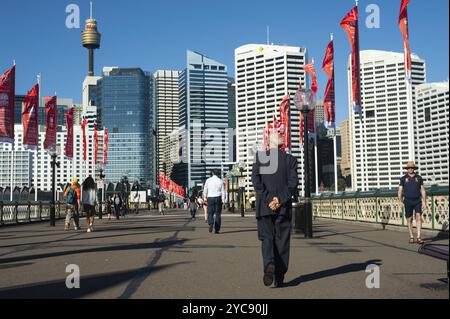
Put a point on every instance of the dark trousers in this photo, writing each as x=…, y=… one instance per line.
x=275, y=234
x=215, y=210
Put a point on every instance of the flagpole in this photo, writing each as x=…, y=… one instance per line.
x=336, y=186
x=12, y=160
x=39, y=78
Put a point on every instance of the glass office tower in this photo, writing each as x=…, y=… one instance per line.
x=124, y=96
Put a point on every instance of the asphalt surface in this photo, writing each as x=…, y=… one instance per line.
x=172, y=257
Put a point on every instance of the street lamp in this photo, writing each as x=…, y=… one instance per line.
x=54, y=164
x=305, y=101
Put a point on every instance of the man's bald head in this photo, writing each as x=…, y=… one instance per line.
x=275, y=140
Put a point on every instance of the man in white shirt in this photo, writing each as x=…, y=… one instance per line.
x=214, y=195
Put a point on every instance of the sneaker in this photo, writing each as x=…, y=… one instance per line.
x=92, y=228
x=217, y=232
x=88, y=230
x=66, y=228
x=77, y=228
x=268, y=275
x=211, y=228
x=279, y=281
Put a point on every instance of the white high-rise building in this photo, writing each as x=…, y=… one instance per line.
x=432, y=130
x=26, y=169
x=379, y=147
x=167, y=115
x=264, y=75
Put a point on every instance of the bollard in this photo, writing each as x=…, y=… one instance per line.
x=298, y=219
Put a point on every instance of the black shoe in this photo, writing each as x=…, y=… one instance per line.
x=268, y=275
x=279, y=281
x=211, y=228
x=217, y=232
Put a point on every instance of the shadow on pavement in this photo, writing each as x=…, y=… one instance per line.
x=332, y=272
x=160, y=244
x=91, y=284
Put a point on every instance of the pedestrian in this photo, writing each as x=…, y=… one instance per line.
x=73, y=198
x=161, y=199
x=117, y=205
x=109, y=204
x=253, y=202
x=193, y=205
x=275, y=180
x=201, y=205
x=412, y=197
x=89, y=200
x=214, y=195
x=137, y=199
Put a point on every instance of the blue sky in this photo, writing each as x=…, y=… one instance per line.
x=155, y=35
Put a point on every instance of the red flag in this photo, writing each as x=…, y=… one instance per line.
x=7, y=93
x=95, y=144
x=30, y=107
x=51, y=123
x=350, y=26
x=83, y=128
x=69, y=128
x=329, y=103
x=105, y=147
x=285, y=123
x=403, y=25
x=311, y=125
x=309, y=68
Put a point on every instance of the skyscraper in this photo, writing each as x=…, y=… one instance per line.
x=167, y=112
x=203, y=119
x=432, y=130
x=380, y=138
x=264, y=75
x=125, y=97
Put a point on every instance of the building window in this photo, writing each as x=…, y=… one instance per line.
x=427, y=114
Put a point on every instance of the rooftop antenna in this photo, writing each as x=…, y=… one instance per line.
x=91, y=10
x=268, y=35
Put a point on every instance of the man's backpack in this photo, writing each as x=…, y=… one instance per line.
x=72, y=196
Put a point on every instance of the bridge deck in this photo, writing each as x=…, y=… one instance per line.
x=152, y=256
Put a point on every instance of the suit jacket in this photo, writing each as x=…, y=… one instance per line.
x=275, y=176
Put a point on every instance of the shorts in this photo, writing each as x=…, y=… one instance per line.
x=89, y=210
x=412, y=206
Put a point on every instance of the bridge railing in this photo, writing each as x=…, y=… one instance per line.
x=382, y=207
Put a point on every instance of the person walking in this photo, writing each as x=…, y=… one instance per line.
x=117, y=205
x=109, y=204
x=275, y=180
x=214, y=196
x=89, y=200
x=201, y=204
x=412, y=197
x=193, y=205
x=137, y=200
x=73, y=197
x=161, y=200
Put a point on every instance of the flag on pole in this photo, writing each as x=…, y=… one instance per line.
x=95, y=144
x=30, y=118
x=7, y=93
x=69, y=128
x=105, y=146
x=83, y=128
x=309, y=68
x=51, y=123
x=403, y=25
x=329, y=103
x=285, y=123
x=350, y=26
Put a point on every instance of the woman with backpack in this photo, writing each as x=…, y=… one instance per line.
x=89, y=200
x=73, y=196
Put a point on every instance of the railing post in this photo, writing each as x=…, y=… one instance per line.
x=342, y=209
x=1, y=213
x=376, y=209
x=357, y=207
x=40, y=210
x=29, y=212
x=16, y=211
x=433, y=212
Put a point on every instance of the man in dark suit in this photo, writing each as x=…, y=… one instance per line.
x=275, y=180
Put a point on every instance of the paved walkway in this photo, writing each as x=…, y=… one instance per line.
x=165, y=257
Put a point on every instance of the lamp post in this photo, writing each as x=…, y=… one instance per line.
x=54, y=164
x=305, y=101
x=242, y=191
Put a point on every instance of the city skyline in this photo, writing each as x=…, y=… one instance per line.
x=428, y=24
